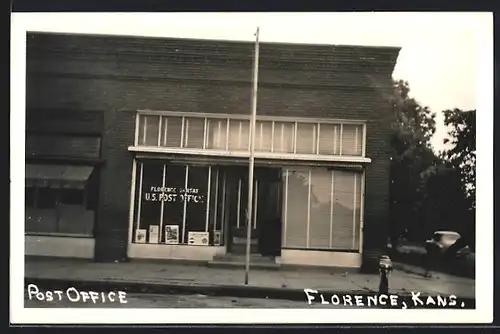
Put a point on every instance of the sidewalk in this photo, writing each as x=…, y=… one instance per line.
x=144, y=276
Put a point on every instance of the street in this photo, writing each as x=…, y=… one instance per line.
x=137, y=300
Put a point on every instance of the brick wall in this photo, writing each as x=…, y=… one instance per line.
x=121, y=74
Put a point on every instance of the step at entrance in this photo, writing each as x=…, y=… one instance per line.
x=257, y=261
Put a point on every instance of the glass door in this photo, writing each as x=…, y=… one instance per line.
x=265, y=223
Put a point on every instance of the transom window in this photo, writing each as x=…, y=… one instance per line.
x=232, y=133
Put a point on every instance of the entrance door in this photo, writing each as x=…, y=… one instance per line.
x=266, y=211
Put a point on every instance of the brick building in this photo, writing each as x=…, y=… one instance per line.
x=138, y=148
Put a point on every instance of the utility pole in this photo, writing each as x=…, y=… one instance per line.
x=252, y=149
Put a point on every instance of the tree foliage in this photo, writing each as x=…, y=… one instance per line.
x=430, y=191
x=412, y=155
x=462, y=155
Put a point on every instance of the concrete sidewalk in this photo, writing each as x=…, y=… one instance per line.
x=145, y=275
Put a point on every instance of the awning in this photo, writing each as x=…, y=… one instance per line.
x=259, y=162
x=57, y=176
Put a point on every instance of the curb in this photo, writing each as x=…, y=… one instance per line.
x=418, y=270
x=215, y=290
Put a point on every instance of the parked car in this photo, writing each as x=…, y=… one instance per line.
x=447, y=243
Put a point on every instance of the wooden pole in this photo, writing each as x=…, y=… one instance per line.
x=252, y=149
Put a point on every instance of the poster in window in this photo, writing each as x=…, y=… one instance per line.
x=140, y=236
x=198, y=238
x=172, y=234
x=153, y=234
x=217, y=238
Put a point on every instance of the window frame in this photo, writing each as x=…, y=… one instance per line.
x=266, y=154
x=211, y=223
x=358, y=177
x=58, y=193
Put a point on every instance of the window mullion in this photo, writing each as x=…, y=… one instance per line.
x=162, y=208
x=331, y=207
x=363, y=141
x=144, y=130
x=308, y=209
x=207, y=214
x=239, y=205
x=182, y=131
x=340, y=138
x=205, y=132
x=159, y=130
x=272, y=136
x=317, y=139
x=165, y=132
x=137, y=126
x=295, y=138
x=227, y=134
x=335, y=139
x=354, y=213
x=184, y=213
x=356, y=133
x=286, y=208
x=216, y=204
x=139, y=202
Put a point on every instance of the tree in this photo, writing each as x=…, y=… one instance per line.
x=463, y=154
x=429, y=192
x=443, y=205
x=462, y=159
x=412, y=156
x=448, y=188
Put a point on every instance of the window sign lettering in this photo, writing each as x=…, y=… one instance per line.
x=173, y=194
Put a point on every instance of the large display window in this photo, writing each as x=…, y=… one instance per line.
x=60, y=200
x=322, y=209
x=178, y=204
x=59, y=211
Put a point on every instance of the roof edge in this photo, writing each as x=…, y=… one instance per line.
x=228, y=41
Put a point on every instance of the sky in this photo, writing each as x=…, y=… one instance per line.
x=438, y=50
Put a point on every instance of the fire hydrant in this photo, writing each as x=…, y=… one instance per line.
x=385, y=267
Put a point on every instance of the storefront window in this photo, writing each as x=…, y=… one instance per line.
x=29, y=196
x=152, y=180
x=296, y=215
x=171, y=131
x=72, y=196
x=216, y=134
x=283, y=136
x=194, y=132
x=352, y=139
x=263, y=136
x=329, y=139
x=239, y=135
x=195, y=199
x=47, y=198
x=321, y=209
x=179, y=204
x=148, y=130
x=306, y=138
x=173, y=211
x=217, y=204
x=59, y=211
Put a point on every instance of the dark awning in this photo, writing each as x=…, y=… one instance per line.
x=57, y=176
x=238, y=161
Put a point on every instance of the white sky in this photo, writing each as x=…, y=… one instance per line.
x=438, y=55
